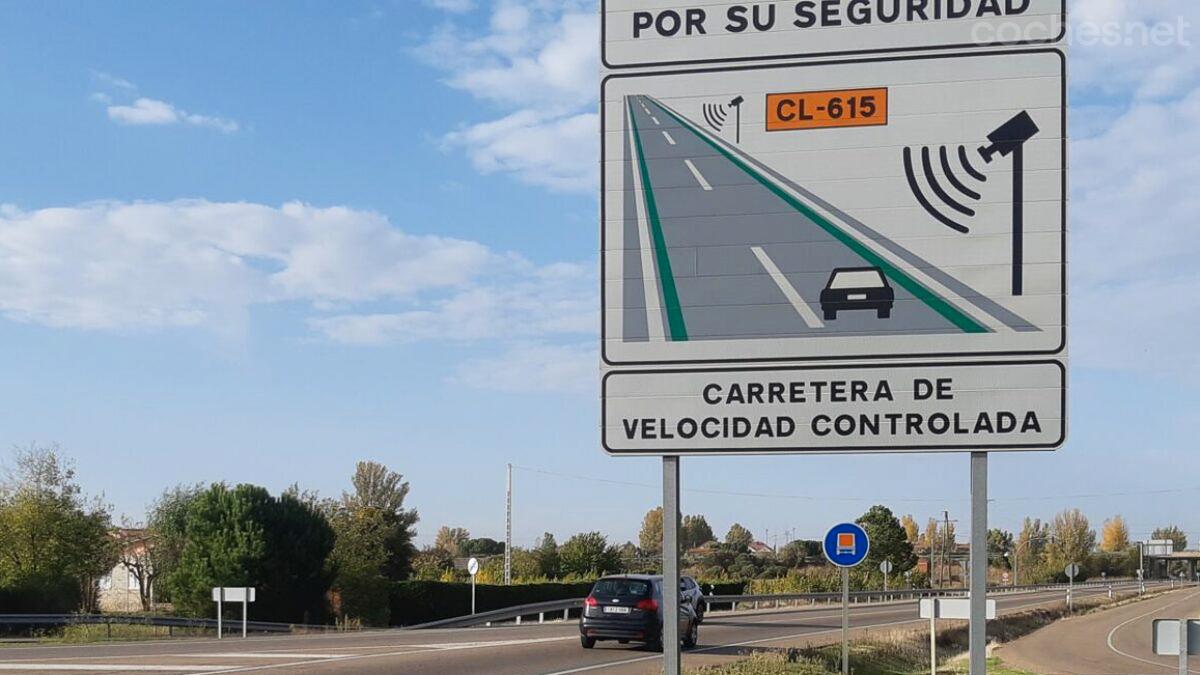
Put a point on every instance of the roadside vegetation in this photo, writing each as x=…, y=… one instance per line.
x=351, y=559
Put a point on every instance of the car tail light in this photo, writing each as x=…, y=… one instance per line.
x=591, y=601
x=647, y=604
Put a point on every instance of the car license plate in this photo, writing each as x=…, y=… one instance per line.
x=616, y=610
x=857, y=296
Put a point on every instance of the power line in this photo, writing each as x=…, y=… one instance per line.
x=814, y=498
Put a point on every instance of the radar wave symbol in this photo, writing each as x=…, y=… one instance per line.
x=964, y=196
x=715, y=114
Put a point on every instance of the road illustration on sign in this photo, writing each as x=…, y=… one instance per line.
x=894, y=207
x=785, y=268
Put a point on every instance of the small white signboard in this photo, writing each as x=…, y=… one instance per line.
x=1167, y=634
x=234, y=594
x=952, y=608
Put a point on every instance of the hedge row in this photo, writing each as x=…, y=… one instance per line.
x=414, y=602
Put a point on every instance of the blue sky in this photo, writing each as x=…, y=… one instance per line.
x=245, y=243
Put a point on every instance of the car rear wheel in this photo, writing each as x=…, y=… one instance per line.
x=831, y=315
x=692, y=636
x=587, y=642
x=884, y=313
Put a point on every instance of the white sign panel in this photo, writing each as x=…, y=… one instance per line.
x=233, y=594
x=906, y=407
x=671, y=32
x=1159, y=547
x=952, y=608
x=1167, y=634
x=836, y=211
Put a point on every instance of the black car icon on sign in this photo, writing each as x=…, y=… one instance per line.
x=851, y=288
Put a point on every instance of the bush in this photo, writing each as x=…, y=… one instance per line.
x=41, y=595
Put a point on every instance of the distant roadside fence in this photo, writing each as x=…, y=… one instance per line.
x=18, y=624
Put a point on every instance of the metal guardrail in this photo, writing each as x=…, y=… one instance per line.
x=563, y=608
x=169, y=622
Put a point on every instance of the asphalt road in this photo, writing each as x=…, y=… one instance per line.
x=549, y=649
x=1113, y=642
x=744, y=259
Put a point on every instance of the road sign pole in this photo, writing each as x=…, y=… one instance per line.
x=845, y=621
x=220, y=597
x=670, y=631
x=933, y=638
x=978, y=585
x=245, y=608
x=472, y=594
x=1183, y=646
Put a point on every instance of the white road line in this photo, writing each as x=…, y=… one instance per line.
x=668, y=137
x=263, y=655
x=1112, y=633
x=699, y=178
x=655, y=119
x=654, y=318
x=111, y=667
x=789, y=291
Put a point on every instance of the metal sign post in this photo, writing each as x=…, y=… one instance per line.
x=221, y=595
x=473, y=569
x=948, y=608
x=885, y=567
x=1071, y=570
x=1177, y=637
x=672, y=663
x=977, y=638
x=846, y=545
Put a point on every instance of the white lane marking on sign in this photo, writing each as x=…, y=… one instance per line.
x=806, y=313
x=668, y=137
x=654, y=119
x=654, y=321
x=699, y=178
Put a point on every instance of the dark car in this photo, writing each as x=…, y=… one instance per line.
x=629, y=608
x=851, y=288
x=691, y=593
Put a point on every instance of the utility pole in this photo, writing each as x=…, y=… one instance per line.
x=508, y=530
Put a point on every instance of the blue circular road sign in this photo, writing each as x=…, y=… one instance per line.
x=846, y=545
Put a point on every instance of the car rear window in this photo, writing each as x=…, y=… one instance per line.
x=621, y=587
x=857, y=279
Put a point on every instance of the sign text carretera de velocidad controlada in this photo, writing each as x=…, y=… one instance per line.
x=790, y=14
x=725, y=399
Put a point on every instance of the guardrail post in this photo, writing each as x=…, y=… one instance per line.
x=541, y=617
x=567, y=614
x=518, y=620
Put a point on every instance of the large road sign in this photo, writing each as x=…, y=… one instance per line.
x=858, y=212
x=846, y=545
x=674, y=32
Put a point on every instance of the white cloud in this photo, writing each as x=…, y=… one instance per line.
x=537, y=63
x=523, y=302
x=534, y=367
x=457, y=6
x=119, y=265
x=1136, y=221
x=1142, y=49
x=148, y=111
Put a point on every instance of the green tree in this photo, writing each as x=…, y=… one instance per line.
x=451, y=539
x=889, y=540
x=360, y=558
x=242, y=536
x=650, y=537
x=739, y=537
x=695, y=531
x=1173, y=533
x=1000, y=544
x=546, y=554
x=373, y=545
x=54, y=543
x=1072, y=541
x=483, y=546
x=589, y=554
x=378, y=489
x=1030, y=551
x=167, y=527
